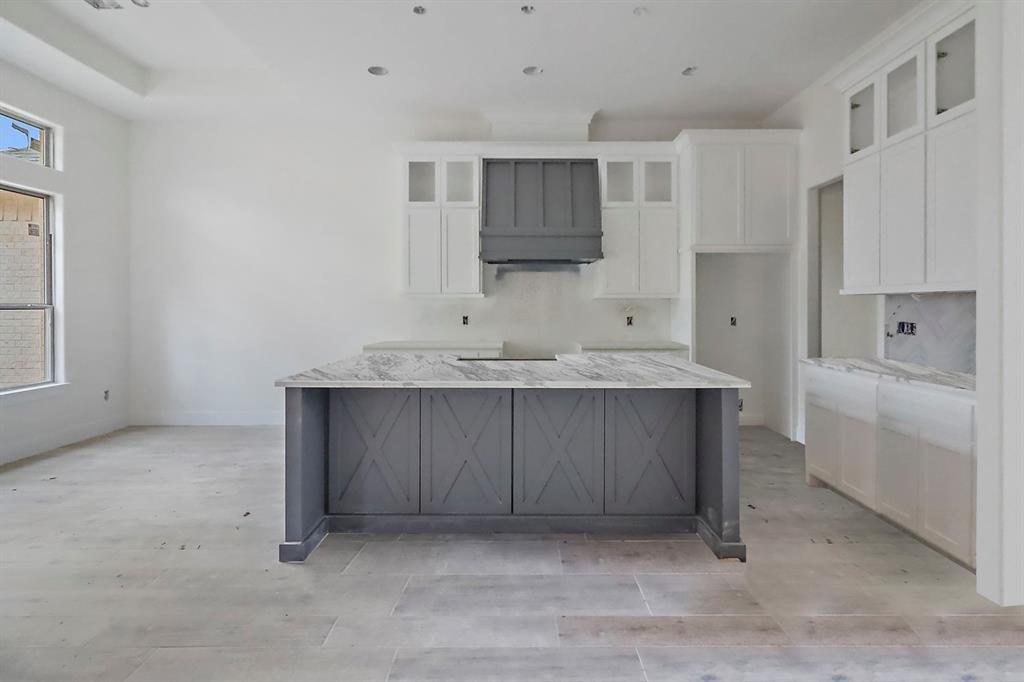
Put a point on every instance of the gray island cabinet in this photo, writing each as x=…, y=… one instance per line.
x=624, y=442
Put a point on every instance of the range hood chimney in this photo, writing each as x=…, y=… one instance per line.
x=540, y=211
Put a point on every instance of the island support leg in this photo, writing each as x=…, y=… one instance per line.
x=718, y=472
x=305, y=447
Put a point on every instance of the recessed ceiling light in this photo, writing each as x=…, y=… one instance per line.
x=639, y=11
x=689, y=70
x=527, y=9
x=419, y=9
x=533, y=70
x=378, y=71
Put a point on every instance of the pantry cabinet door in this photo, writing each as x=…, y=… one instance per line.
x=658, y=251
x=902, y=217
x=861, y=223
x=719, y=189
x=423, y=250
x=620, y=244
x=952, y=192
x=770, y=171
x=460, y=255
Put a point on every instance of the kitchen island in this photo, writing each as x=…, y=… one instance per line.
x=598, y=442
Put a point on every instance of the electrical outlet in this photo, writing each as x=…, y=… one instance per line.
x=629, y=320
x=465, y=320
x=732, y=321
x=906, y=328
x=106, y=394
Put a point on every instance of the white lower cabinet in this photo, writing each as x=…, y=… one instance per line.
x=912, y=459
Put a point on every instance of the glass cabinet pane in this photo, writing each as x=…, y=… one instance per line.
x=657, y=181
x=421, y=181
x=619, y=183
x=901, y=98
x=954, y=69
x=862, y=119
x=459, y=181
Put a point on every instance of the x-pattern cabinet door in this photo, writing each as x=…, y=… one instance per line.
x=650, y=451
x=466, y=451
x=373, y=451
x=558, y=451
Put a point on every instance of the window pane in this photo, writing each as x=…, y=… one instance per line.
x=23, y=342
x=22, y=249
x=22, y=139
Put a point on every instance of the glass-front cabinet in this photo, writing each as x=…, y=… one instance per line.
x=951, y=78
x=862, y=119
x=903, y=88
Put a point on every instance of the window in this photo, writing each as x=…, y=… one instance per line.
x=26, y=290
x=24, y=139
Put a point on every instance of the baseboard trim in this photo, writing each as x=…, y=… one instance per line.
x=208, y=418
x=51, y=439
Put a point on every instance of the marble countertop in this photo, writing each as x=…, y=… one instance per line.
x=435, y=345
x=587, y=370
x=901, y=371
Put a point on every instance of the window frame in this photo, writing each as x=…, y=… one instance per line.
x=48, y=305
x=46, y=136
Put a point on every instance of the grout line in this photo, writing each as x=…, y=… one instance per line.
x=641, y=660
x=391, y=668
x=561, y=560
x=353, y=559
x=642, y=595
x=399, y=598
x=149, y=654
x=329, y=631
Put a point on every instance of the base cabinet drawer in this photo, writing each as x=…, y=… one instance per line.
x=558, y=451
x=650, y=451
x=373, y=451
x=466, y=451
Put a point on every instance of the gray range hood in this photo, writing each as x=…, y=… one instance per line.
x=540, y=211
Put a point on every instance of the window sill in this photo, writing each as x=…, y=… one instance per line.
x=30, y=394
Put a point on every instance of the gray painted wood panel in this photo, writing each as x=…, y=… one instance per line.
x=650, y=451
x=558, y=451
x=466, y=464
x=374, y=451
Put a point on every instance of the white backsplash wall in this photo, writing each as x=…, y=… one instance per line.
x=946, y=330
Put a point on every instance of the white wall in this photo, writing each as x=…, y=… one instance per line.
x=754, y=289
x=92, y=239
x=262, y=248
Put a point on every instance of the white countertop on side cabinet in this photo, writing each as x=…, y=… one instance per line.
x=629, y=346
x=496, y=346
x=901, y=371
x=586, y=370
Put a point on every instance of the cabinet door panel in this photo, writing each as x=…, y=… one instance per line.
x=423, y=250
x=899, y=464
x=373, y=451
x=948, y=499
x=770, y=177
x=858, y=461
x=620, y=244
x=822, y=450
x=719, y=188
x=860, y=223
x=461, y=251
x=902, y=212
x=466, y=451
x=659, y=251
x=650, y=452
x=558, y=452
x=952, y=192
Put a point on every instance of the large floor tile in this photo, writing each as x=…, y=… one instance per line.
x=643, y=557
x=517, y=665
x=849, y=630
x=521, y=595
x=265, y=665
x=670, y=631
x=970, y=630
x=207, y=628
x=672, y=595
x=67, y=664
x=444, y=631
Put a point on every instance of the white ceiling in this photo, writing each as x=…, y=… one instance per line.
x=464, y=57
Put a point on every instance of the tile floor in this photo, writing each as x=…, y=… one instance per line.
x=150, y=554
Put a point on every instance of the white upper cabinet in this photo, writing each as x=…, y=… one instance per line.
x=903, y=110
x=920, y=212
x=862, y=119
x=442, y=226
x=640, y=222
x=719, y=194
x=770, y=180
x=902, y=214
x=952, y=191
x=951, y=73
x=860, y=224
x=741, y=189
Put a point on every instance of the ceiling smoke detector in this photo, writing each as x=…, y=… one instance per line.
x=527, y=9
x=419, y=9
x=378, y=71
x=533, y=70
x=689, y=70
